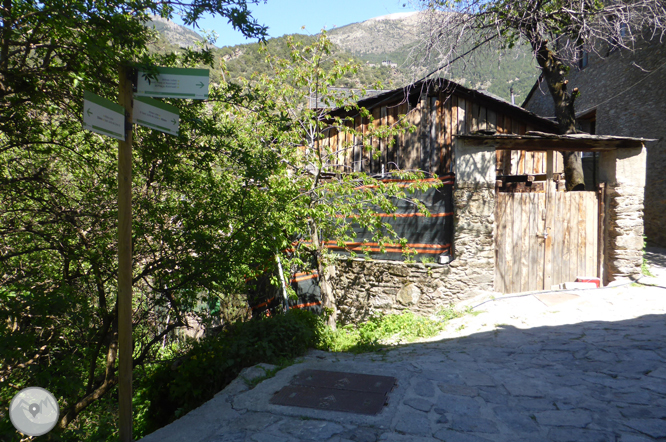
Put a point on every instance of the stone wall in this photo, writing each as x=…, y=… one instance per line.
x=624, y=239
x=363, y=287
x=474, y=238
x=624, y=172
x=627, y=91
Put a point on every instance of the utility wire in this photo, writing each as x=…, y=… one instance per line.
x=478, y=45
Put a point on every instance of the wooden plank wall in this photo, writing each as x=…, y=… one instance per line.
x=437, y=120
x=525, y=259
x=519, y=251
x=575, y=236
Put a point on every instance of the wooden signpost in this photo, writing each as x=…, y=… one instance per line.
x=125, y=341
x=115, y=120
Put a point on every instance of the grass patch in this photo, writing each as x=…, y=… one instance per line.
x=645, y=268
x=381, y=330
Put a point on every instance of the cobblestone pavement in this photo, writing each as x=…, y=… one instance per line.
x=574, y=366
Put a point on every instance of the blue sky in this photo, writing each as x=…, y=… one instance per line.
x=288, y=16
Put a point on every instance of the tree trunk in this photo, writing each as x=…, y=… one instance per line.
x=573, y=171
x=110, y=381
x=327, y=297
x=554, y=73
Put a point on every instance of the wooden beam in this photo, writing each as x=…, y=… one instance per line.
x=601, y=239
x=545, y=144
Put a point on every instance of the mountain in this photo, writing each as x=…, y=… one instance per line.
x=173, y=33
x=244, y=60
x=395, y=40
x=387, y=47
x=379, y=35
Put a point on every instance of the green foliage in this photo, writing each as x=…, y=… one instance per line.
x=173, y=389
x=382, y=329
x=58, y=210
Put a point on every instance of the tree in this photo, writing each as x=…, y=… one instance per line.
x=558, y=31
x=197, y=229
x=48, y=47
x=327, y=200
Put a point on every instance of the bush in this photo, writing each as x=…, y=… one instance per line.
x=172, y=389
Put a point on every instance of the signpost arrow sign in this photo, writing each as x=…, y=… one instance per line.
x=103, y=116
x=156, y=115
x=174, y=83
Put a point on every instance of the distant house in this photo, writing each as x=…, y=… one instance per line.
x=622, y=93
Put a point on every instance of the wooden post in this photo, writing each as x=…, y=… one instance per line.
x=125, y=341
x=548, y=224
x=601, y=239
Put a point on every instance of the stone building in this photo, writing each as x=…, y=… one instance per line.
x=489, y=147
x=622, y=93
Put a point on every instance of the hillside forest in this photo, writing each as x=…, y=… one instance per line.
x=387, y=52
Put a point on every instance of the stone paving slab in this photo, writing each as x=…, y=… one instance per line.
x=590, y=368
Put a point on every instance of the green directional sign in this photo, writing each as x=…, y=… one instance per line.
x=174, y=83
x=156, y=115
x=103, y=116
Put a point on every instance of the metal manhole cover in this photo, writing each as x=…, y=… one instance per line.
x=345, y=381
x=336, y=391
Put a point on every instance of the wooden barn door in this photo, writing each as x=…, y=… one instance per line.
x=545, y=239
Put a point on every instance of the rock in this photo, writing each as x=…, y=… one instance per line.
x=398, y=270
x=249, y=374
x=381, y=301
x=409, y=295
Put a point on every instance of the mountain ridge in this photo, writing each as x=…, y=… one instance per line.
x=174, y=33
x=385, y=46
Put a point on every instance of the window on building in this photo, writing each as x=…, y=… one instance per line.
x=617, y=40
x=583, y=58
